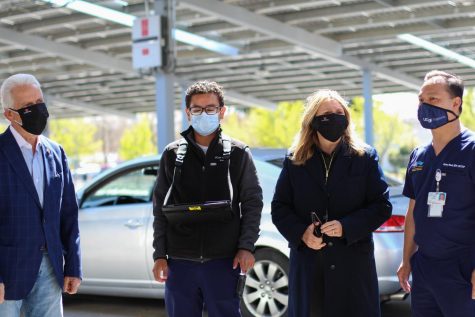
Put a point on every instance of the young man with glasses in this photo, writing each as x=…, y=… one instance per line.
x=207, y=208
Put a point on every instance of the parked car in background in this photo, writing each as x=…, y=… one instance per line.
x=84, y=174
x=115, y=221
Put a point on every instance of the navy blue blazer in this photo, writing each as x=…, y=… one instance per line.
x=24, y=224
x=356, y=194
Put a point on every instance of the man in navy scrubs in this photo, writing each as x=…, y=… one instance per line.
x=439, y=237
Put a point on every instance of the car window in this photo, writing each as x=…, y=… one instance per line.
x=279, y=162
x=393, y=182
x=268, y=175
x=132, y=187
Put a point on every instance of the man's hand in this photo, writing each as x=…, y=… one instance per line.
x=473, y=284
x=403, y=273
x=71, y=284
x=310, y=240
x=2, y=293
x=160, y=270
x=245, y=259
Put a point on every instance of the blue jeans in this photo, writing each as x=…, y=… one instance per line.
x=43, y=300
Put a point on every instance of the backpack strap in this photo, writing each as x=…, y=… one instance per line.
x=226, y=146
x=180, y=156
x=181, y=152
x=226, y=156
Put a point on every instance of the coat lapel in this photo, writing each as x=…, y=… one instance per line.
x=315, y=169
x=49, y=170
x=14, y=156
x=340, y=169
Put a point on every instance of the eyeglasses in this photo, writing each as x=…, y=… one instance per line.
x=196, y=111
x=317, y=231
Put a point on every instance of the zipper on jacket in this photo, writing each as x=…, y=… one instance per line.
x=327, y=173
x=325, y=217
x=202, y=240
x=327, y=168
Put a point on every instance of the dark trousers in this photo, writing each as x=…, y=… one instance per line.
x=193, y=285
x=441, y=288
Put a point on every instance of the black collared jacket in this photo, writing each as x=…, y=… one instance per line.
x=204, y=178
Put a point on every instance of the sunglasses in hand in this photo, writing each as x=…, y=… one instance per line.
x=317, y=222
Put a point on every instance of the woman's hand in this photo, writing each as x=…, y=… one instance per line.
x=310, y=240
x=333, y=229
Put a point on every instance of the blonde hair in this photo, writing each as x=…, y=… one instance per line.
x=306, y=138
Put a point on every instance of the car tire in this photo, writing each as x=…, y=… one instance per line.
x=267, y=285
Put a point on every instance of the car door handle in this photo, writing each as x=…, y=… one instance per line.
x=133, y=223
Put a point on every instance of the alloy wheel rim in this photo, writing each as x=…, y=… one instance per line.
x=267, y=290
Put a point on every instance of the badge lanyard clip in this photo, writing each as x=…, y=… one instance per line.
x=436, y=200
x=438, y=177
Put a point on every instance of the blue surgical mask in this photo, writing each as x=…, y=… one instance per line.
x=433, y=117
x=205, y=124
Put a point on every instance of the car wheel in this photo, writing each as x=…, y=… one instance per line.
x=267, y=286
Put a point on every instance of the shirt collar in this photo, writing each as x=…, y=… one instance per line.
x=22, y=143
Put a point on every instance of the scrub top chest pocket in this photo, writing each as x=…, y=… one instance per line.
x=436, y=200
x=455, y=182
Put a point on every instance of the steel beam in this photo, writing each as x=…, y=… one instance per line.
x=89, y=107
x=368, y=107
x=312, y=43
x=82, y=56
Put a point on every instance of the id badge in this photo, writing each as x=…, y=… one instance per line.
x=436, y=202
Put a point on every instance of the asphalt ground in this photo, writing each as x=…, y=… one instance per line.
x=102, y=306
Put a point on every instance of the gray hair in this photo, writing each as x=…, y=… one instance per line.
x=12, y=82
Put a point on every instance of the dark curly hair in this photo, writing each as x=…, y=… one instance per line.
x=205, y=87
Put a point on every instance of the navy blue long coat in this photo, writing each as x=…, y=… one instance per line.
x=357, y=195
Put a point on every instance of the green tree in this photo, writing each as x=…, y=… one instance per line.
x=266, y=128
x=389, y=130
x=137, y=140
x=399, y=158
x=76, y=136
x=468, y=110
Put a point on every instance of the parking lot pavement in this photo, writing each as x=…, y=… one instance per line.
x=99, y=306
x=396, y=308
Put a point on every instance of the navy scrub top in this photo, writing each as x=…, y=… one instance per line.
x=453, y=234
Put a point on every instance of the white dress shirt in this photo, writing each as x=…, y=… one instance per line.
x=34, y=162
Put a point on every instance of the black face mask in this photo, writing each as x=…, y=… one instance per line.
x=331, y=126
x=33, y=118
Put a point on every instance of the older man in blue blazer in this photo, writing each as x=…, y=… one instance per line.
x=39, y=235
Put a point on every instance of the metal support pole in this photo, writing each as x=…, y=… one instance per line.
x=164, y=78
x=368, y=107
x=184, y=120
x=165, y=109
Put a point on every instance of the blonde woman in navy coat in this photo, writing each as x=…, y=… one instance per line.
x=339, y=179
